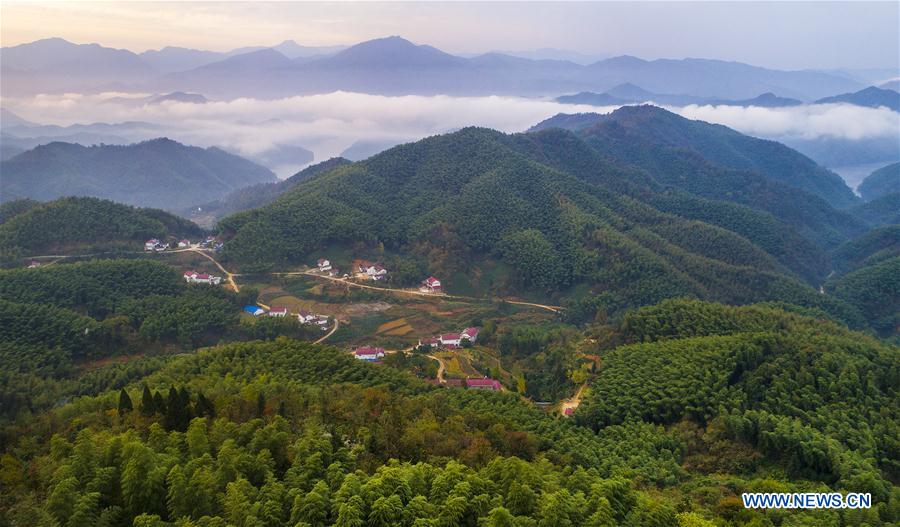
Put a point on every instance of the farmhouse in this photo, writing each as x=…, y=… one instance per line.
x=184, y=243
x=254, y=310
x=323, y=265
x=368, y=353
x=151, y=244
x=372, y=271
x=470, y=334
x=483, y=384
x=305, y=317
x=431, y=285
x=450, y=340
x=193, y=277
x=34, y=264
x=278, y=311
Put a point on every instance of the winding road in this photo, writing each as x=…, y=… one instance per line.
x=413, y=292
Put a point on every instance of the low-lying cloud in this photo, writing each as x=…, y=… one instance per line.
x=327, y=124
x=812, y=121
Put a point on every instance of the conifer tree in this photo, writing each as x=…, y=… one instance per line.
x=148, y=405
x=124, y=403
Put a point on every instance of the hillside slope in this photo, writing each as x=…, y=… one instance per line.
x=254, y=196
x=880, y=183
x=86, y=222
x=160, y=173
x=627, y=131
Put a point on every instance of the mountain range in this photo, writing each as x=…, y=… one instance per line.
x=388, y=66
x=630, y=94
x=871, y=97
x=571, y=208
x=159, y=173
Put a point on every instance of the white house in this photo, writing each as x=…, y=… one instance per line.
x=193, y=277
x=376, y=272
x=470, y=334
x=368, y=353
x=322, y=321
x=323, y=265
x=151, y=244
x=431, y=285
x=278, y=311
x=184, y=244
x=305, y=317
x=450, y=340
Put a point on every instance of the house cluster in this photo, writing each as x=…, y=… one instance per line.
x=210, y=242
x=451, y=340
x=368, y=353
x=324, y=266
x=306, y=317
x=431, y=285
x=372, y=271
x=193, y=277
x=155, y=245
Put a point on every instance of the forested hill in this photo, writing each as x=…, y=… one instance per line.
x=880, y=183
x=160, y=173
x=30, y=227
x=460, y=201
x=798, y=390
x=672, y=431
x=626, y=132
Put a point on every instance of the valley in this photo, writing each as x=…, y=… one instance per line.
x=279, y=266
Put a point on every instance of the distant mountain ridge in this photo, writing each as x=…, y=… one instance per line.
x=159, y=173
x=630, y=94
x=871, y=97
x=388, y=66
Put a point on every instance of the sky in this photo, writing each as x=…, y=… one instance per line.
x=781, y=35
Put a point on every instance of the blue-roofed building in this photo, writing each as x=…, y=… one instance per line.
x=254, y=310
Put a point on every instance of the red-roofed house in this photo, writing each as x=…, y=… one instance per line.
x=431, y=285
x=483, y=384
x=190, y=276
x=368, y=353
x=569, y=411
x=184, y=243
x=151, y=244
x=450, y=340
x=470, y=334
x=278, y=311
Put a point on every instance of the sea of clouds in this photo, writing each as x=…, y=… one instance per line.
x=329, y=123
